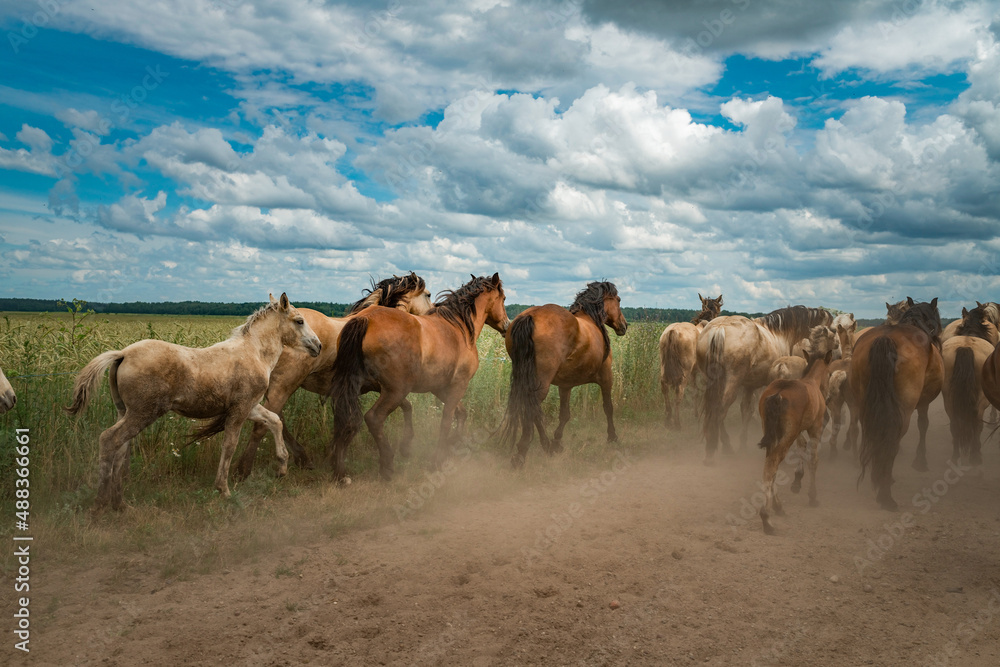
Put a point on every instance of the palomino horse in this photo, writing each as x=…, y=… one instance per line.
x=836, y=393
x=552, y=345
x=896, y=368
x=223, y=382
x=822, y=339
x=965, y=354
x=7, y=397
x=297, y=368
x=395, y=353
x=678, y=356
x=787, y=408
x=735, y=354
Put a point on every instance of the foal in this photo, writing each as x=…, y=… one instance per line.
x=7, y=397
x=788, y=408
x=224, y=382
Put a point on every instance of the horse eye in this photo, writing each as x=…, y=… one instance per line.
x=300, y=321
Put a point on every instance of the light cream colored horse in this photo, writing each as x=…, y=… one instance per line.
x=822, y=339
x=679, y=356
x=224, y=382
x=735, y=354
x=7, y=397
x=836, y=394
x=297, y=368
x=964, y=355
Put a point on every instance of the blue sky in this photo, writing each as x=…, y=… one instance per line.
x=783, y=152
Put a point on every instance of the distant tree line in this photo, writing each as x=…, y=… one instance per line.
x=329, y=308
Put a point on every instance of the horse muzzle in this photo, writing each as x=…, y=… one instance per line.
x=7, y=401
x=314, y=347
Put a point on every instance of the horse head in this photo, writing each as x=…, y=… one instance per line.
x=292, y=326
x=614, y=317
x=895, y=312
x=925, y=316
x=496, y=311
x=710, y=309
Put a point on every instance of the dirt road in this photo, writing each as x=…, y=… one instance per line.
x=645, y=562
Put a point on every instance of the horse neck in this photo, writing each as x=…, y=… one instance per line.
x=264, y=340
x=816, y=373
x=846, y=344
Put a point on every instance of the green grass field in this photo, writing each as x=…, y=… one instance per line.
x=170, y=489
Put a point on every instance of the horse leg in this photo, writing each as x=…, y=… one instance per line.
x=975, y=447
x=444, y=435
x=517, y=461
x=115, y=448
x=775, y=455
x=681, y=389
x=800, y=469
x=279, y=391
x=604, y=381
x=836, y=417
x=404, y=442
x=564, y=396
x=853, y=429
x=461, y=416
x=375, y=418
x=260, y=415
x=668, y=417
x=720, y=432
x=920, y=460
x=231, y=438
x=813, y=455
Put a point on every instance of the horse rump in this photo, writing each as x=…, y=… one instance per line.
x=881, y=421
x=86, y=382
x=774, y=412
x=523, y=406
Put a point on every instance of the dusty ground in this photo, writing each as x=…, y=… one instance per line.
x=531, y=579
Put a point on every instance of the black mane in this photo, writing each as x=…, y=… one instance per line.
x=924, y=316
x=391, y=291
x=590, y=301
x=459, y=306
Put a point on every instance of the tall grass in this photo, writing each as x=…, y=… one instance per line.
x=42, y=353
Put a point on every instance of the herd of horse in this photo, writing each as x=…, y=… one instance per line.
x=803, y=366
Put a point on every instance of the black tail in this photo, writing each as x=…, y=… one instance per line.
x=715, y=389
x=671, y=369
x=349, y=375
x=963, y=392
x=881, y=422
x=523, y=406
x=774, y=411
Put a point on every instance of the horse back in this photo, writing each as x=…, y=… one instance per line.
x=919, y=369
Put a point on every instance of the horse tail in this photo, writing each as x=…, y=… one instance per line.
x=881, y=422
x=774, y=410
x=715, y=387
x=671, y=368
x=964, y=395
x=523, y=406
x=86, y=382
x=349, y=375
x=208, y=429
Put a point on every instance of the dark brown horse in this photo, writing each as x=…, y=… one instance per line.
x=552, y=345
x=965, y=353
x=297, y=369
x=736, y=353
x=787, y=409
x=395, y=353
x=895, y=369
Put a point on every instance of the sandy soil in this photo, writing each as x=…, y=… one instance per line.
x=647, y=562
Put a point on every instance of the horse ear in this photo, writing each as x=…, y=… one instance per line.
x=496, y=278
x=701, y=298
x=829, y=357
x=840, y=327
x=851, y=315
x=934, y=302
x=979, y=304
x=283, y=302
x=887, y=306
x=965, y=313
x=270, y=298
x=805, y=354
x=909, y=301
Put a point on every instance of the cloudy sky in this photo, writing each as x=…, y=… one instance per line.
x=840, y=154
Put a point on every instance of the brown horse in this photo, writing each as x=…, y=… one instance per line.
x=223, y=382
x=395, y=353
x=787, y=409
x=836, y=394
x=990, y=314
x=7, y=397
x=896, y=368
x=679, y=355
x=965, y=354
x=552, y=345
x=735, y=354
x=297, y=369
x=822, y=339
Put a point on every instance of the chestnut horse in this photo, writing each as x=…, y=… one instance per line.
x=7, y=397
x=965, y=354
x=735, y=353
x=896, y=368
x=678, y=356
x=298, y=369
x=224, y=382
x=395, y=353
x=552, y=345
x=787, y=409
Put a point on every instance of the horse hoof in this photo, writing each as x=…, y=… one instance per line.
x=556, y=448
x=889, y=505
x=813, y=502
x=920, y=466
x=796, y=486
x=710, y=462
x=779, y=511
x=344, y=481
x=768, y=529
x=517, y=462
